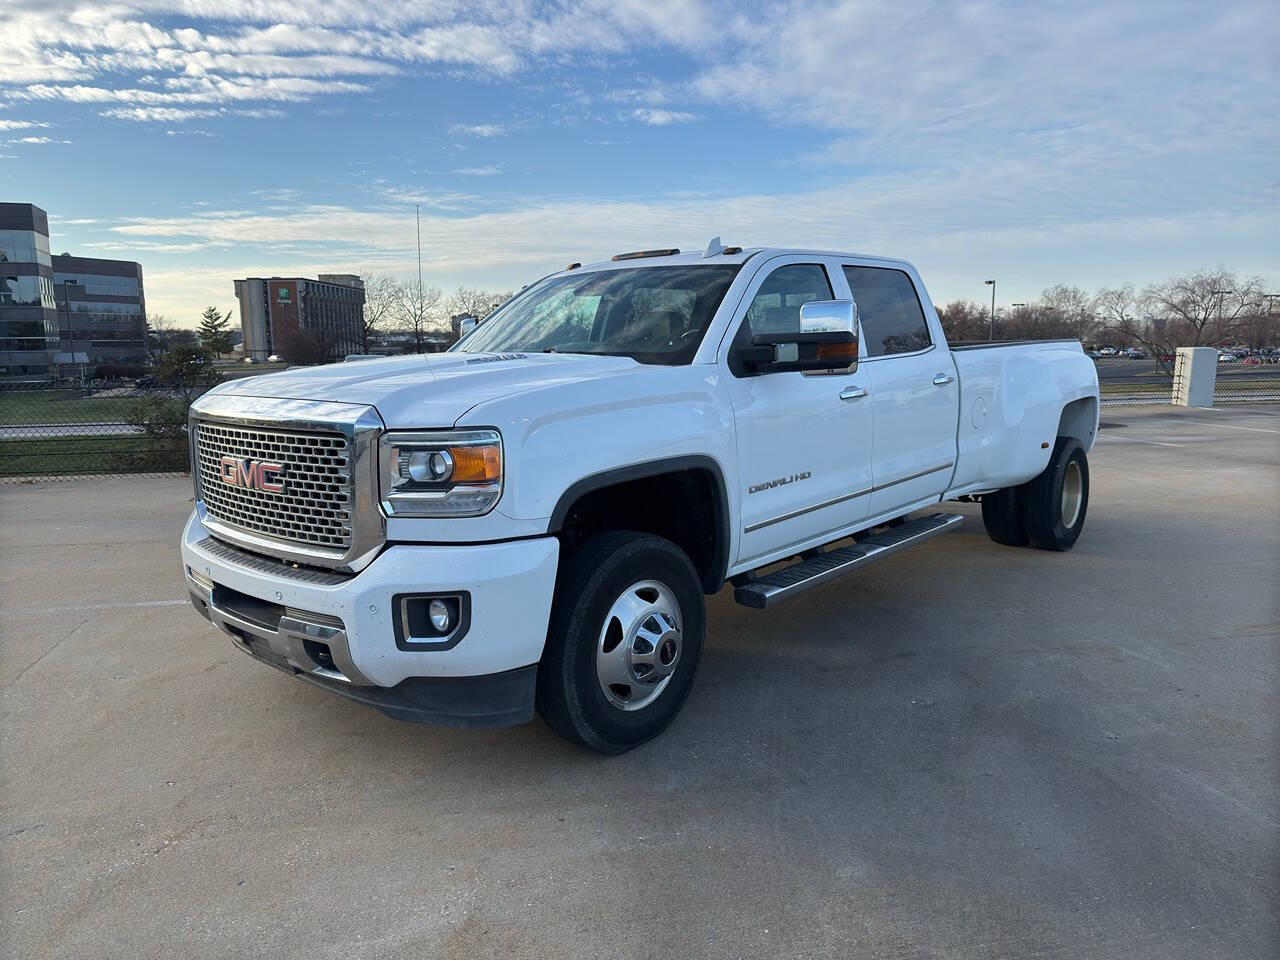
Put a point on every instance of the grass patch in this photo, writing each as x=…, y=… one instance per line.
x=62, y=406
x=70, y=456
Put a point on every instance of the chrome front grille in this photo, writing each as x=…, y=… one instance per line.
x=314, y=507
x=313, y=499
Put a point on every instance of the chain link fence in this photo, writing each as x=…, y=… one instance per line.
x=1247, y=378
x=1128, y=379
x=58, y=431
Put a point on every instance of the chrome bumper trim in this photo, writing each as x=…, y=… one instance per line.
x=287, y=641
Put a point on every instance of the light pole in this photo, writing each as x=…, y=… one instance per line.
x=991, y=329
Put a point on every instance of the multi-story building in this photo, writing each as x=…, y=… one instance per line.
x=102, y=314
x=278, y=313
x=28, y=314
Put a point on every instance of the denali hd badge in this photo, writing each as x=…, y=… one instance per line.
x=770, y=484
x=255, y=474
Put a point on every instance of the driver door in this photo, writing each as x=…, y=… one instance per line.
x=804, y=439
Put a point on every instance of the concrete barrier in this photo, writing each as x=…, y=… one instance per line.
x=1194, y=376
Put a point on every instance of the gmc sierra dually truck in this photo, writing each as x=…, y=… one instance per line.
x=532, y=519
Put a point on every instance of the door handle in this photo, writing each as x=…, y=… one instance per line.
x=942, y=379
x=853, y=393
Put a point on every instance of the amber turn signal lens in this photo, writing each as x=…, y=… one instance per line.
x=479, y=464
x=838, y=351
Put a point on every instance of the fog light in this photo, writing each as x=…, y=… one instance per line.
x=440, y=616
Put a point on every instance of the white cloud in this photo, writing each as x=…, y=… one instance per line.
x=36, y=140
x=487, y=130
x=485, y=171
x=660, y=118
x=21, y=124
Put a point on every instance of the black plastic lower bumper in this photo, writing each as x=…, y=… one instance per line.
x=493, y=700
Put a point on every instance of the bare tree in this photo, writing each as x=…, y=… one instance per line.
x=307, y=346
x=1205, y=308
x=416, y=312
x=380, y=295
x=159, y=332
x=1066, y=313
x=474, y=303
x=964, y=320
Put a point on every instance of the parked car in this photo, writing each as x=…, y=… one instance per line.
x=1133, y=353
x=1108, y=352
x=250, y=360
x=533, y=519
x=1092, y=354
x=146, y=380
x=275, y=358
x=1252, y=360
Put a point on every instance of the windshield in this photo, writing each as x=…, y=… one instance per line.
x=651, y=314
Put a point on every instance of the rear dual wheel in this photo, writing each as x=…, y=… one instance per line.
x=1047, y=511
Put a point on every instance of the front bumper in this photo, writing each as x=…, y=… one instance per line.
x=337, y=631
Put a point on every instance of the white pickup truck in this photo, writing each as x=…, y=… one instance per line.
x=532, y=519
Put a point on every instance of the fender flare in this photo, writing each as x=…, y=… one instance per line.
x=653, y=468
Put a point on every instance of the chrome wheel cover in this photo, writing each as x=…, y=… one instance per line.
x=639, y=645
x=1072, y=494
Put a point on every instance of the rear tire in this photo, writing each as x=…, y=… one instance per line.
x=626, y=633
x=1058, y=498
x=1004, y=516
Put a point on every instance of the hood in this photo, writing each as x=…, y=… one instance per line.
x=429, y=390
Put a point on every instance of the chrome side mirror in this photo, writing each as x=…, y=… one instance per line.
x=466, y=325
x=829, y=316
x=827, y=340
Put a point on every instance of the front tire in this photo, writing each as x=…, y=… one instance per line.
x=1059, y=497
x=627, y=626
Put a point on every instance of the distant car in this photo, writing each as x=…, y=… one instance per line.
x=1108, y=352
x=1252, y=360
x=1092, y=354
x=251, y=360
x=275, y=358
x=146, y=380
x=1133, y=353
x=1226, y=358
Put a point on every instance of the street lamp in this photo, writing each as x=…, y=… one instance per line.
x=991, y=329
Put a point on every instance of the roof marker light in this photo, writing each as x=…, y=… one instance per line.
x=641, y=254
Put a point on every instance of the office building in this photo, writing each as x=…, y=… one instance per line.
x=275, y=312
x=102, y=315
x=28, y=313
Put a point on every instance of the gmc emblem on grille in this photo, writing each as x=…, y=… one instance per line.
x=255, y=474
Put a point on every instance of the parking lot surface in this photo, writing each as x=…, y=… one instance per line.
x=968, y=751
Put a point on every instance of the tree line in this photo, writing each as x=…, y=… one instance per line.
x=1206, y=308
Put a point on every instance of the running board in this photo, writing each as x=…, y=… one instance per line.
x=783, y=584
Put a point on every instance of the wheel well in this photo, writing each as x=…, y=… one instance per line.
x=686, y=506
x=1080, y=420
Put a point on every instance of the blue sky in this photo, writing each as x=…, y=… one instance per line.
x=1037, y=143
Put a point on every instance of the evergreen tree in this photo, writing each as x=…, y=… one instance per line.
x=214, y=333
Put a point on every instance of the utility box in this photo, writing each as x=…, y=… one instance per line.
x=1194, y=376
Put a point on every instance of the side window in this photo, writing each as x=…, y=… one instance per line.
x=892, y=320
x=776, y=306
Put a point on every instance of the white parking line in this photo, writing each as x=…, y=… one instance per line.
x=1158, y=443
x=19, y=611
x=1228, y=426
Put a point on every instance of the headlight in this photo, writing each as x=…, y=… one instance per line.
x=443, y=473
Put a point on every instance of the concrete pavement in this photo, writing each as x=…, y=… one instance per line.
x=968, y=751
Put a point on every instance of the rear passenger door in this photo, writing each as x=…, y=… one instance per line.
x=914, y=393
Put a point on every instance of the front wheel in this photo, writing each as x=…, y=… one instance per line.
x=626, y=634
x=1059, y=497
